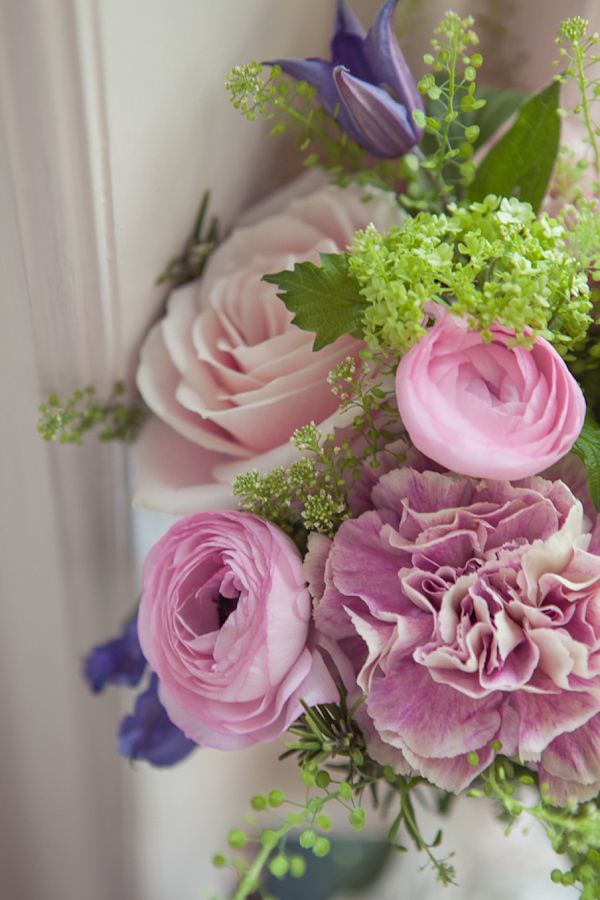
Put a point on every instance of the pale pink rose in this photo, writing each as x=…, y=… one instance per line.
x=227, y=375
x=487, y=410
x=225, y=622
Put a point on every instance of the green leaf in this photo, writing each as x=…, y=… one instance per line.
x=587, y=448
x=521, y=163
x=500, y=104
x=325, y=299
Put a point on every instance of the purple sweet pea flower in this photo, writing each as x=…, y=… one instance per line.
x=118, y=661
x=149, y=734
x=351, y=86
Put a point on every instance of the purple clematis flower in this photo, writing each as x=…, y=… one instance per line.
x=353, y=85
x=149, y=734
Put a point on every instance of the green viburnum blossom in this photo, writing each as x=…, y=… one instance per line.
x=493, y=262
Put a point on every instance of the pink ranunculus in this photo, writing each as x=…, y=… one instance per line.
x=227, y=375
x=225, y=622
x=487, y=410
x=477, y=606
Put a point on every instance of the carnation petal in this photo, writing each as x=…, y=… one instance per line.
x=412, y=711
x=543, y=717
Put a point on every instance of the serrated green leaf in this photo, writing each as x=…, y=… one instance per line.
x=587, y=448
x=325, y=299
x=521, y=163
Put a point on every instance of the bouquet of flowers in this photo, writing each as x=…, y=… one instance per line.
x=375, y=410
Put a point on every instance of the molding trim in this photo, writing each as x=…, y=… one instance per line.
x=65, y=535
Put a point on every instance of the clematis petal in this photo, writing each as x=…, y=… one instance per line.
x=346, y=23
x=319, y=73
x=119, y=661
x=348, y=44
x=388, y=63
x=379, y=122
x=149, y=734
x=383, y=123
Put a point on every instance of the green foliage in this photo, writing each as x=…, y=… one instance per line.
x=197, y=250
x=583, y=224
x=574, y=830
x=291, y=104
x=521, y=163
x=68, y=422
x=587, y=448
x=452, y=88
x=311, y=494
x=575, y=51
x=494, y=262
x=499, y=105
x=325, y=299
x=334, y=767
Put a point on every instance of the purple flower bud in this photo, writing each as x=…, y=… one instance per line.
x=149, y=734
x=367, y=85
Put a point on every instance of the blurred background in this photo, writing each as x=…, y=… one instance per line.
x=113, y=122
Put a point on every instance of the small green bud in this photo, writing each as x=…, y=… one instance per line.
x=279, y=866
x=307, y=778
x=324, y=822
x=237, y=839
x=321, y=847
x=345, y=791
x=323, y=779
x=357, y=818
x=307, y=839
x=258, y=802
x=473, y=759
x=297, y=866
x=276, y=798
x=219, y=861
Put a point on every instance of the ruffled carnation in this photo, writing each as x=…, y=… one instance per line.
x=478, y=608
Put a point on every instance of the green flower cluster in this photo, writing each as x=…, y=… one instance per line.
x=493, y=262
